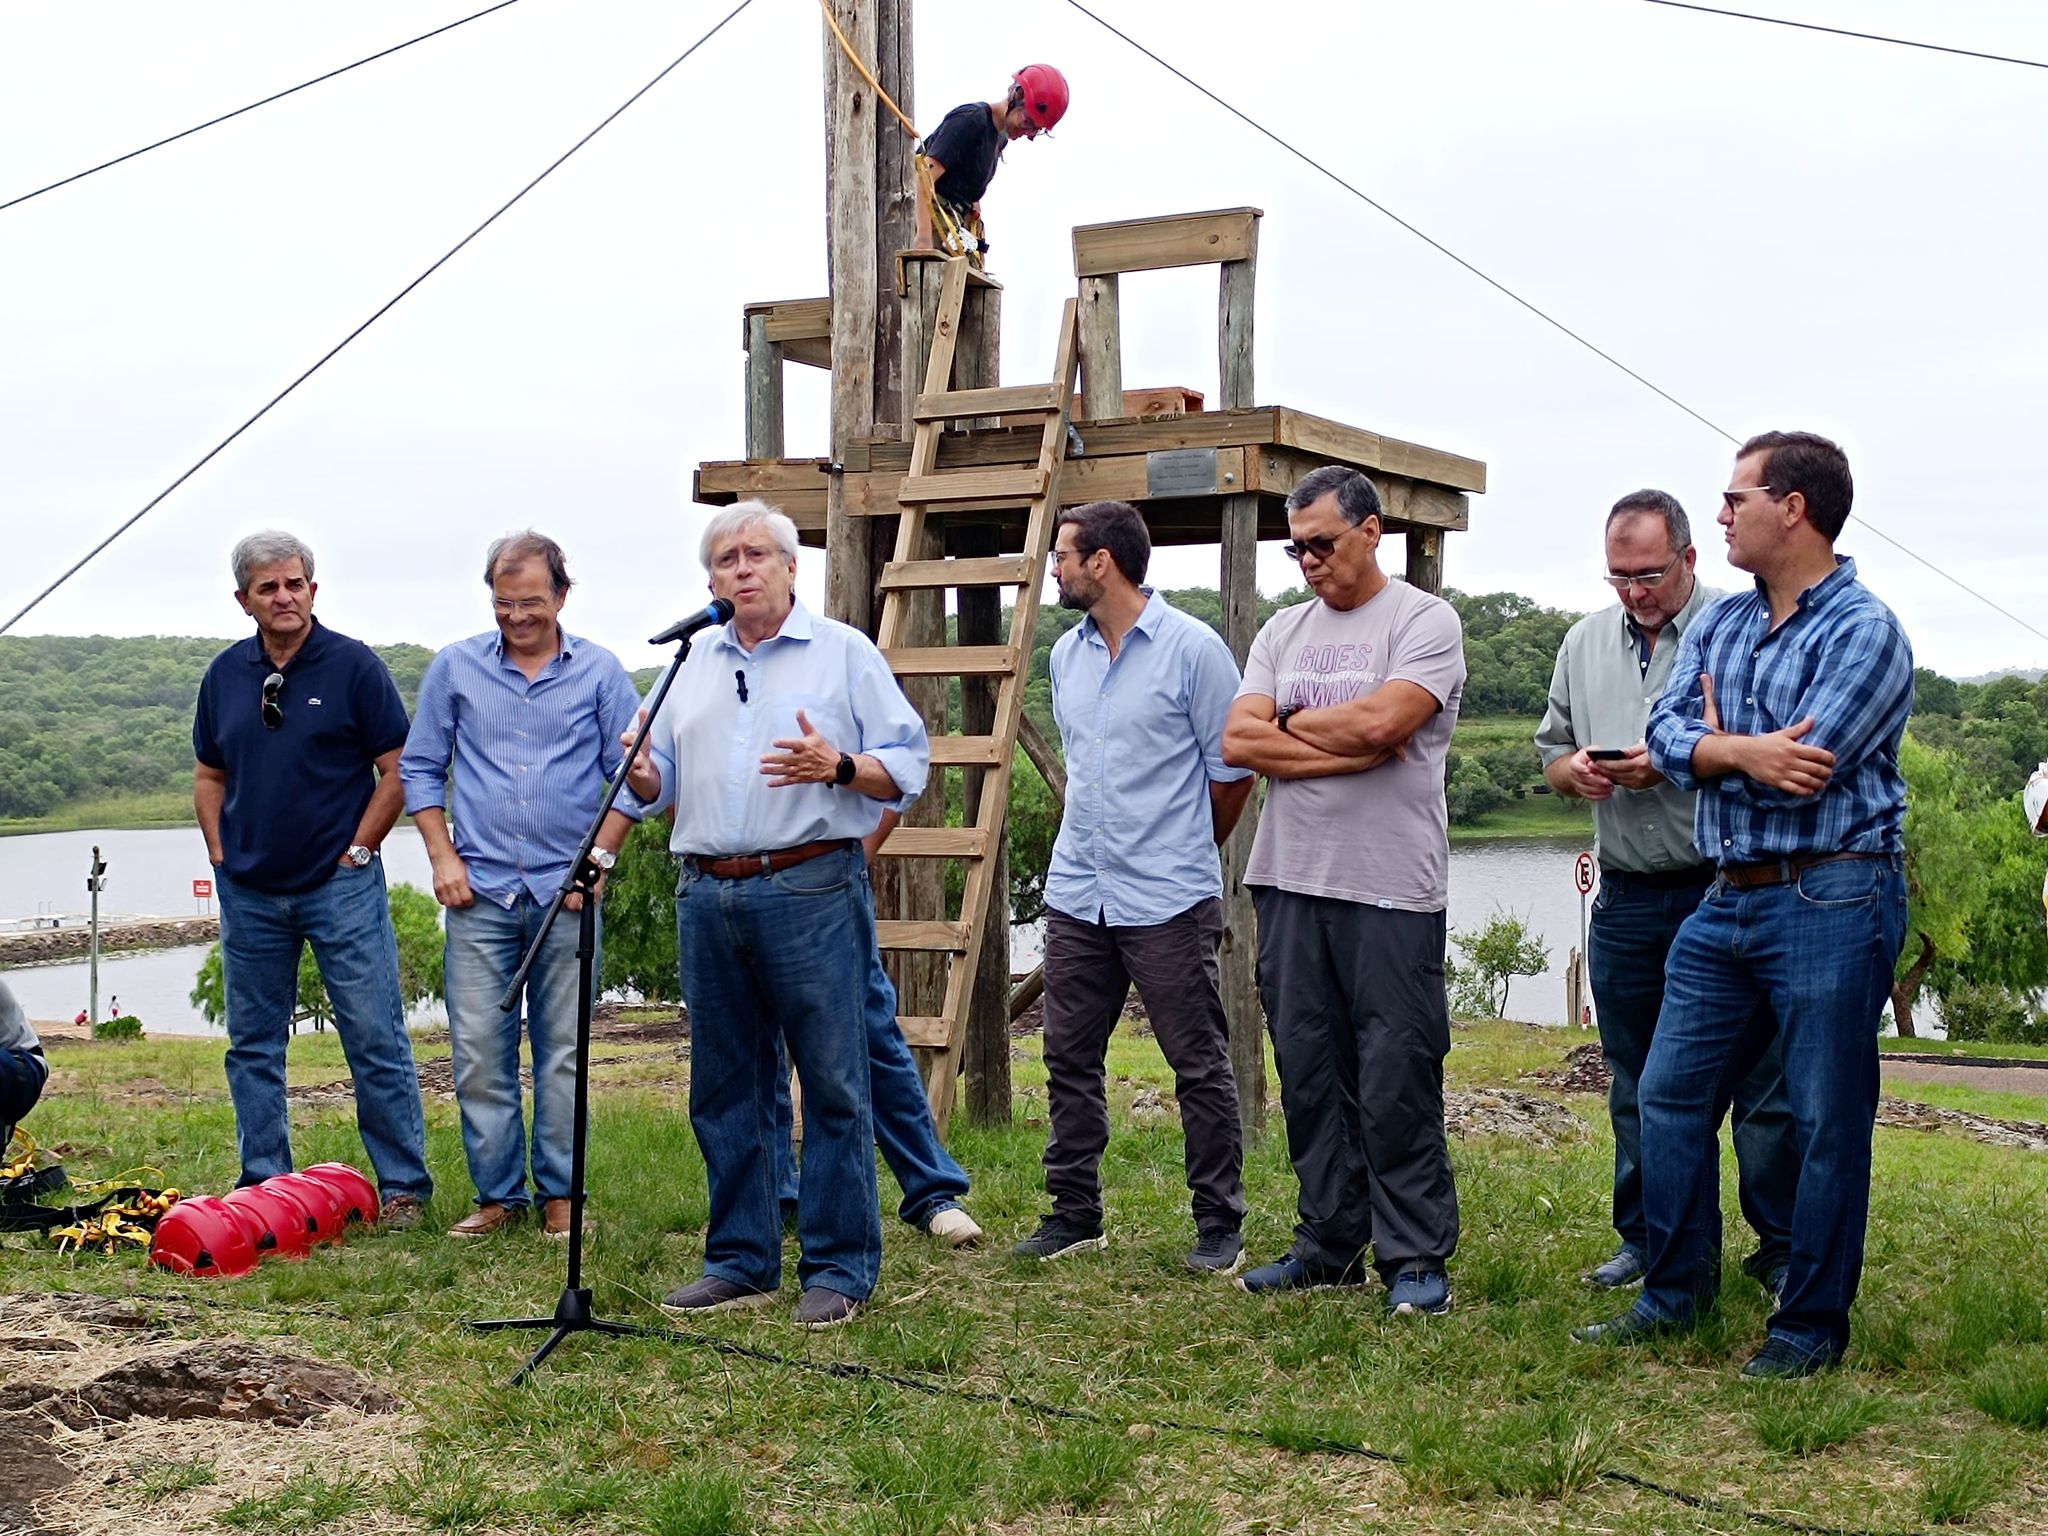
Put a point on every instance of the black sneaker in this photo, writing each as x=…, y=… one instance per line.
x=1059, y=1236
x=1218, y=1251
x=1290, y=1272
x=1782, y=1360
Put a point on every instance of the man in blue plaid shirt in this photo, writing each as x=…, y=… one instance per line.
x=1784, y=710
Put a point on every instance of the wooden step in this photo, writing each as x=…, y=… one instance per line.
x=923, y=1032
x=966, y=751
x=1014, y=398
x=941, y=938
x=967, y=571
x=935, y=843
x=950, y=661
x=1001, y=485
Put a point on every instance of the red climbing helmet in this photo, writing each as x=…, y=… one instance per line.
x=1044, y=91
x=276, y=1218
x=326, y=1208
x=359, y=1195
x=201, y=1236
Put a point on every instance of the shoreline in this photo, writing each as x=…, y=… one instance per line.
x=49, y=946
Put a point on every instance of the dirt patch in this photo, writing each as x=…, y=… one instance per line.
x=1584, y=1071
x=437, y=1079
x=1902, y=1114
x=98, y=1395
x=1505, y=1112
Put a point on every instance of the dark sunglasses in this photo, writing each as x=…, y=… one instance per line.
x=273, y=712
x=1322, y=546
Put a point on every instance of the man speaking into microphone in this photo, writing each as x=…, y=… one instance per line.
x=780, y=745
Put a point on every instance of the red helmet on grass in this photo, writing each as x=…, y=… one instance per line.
x=201, y=1236
x=326, y=1208
x=1044, y=95
x=359, y=1195
x=278, y=1219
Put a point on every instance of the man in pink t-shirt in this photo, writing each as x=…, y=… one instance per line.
x=1347, y=708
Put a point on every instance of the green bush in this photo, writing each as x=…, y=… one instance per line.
x=126, y=1027
x=1992, y=1013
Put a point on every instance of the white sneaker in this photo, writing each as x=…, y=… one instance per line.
x=954, y=1227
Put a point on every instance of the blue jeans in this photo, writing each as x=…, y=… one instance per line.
x=904, y=1128
x=783, y=955
x=1634, y=922
x=347, y=920
x=485, y=944
x=1816, y=954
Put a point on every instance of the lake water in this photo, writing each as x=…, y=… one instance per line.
x=150, y=873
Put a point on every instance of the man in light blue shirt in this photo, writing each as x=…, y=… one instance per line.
x=530, y=718
x=781, y=744
x=1134, y=893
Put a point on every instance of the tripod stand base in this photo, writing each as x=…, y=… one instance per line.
x=573, y=1314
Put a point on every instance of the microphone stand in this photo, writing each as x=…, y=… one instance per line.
x=573, y=1310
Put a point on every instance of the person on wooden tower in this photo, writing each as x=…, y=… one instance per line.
x=959, y=160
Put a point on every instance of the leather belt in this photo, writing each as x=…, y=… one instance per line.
x=1747, y=877
x=741, y=866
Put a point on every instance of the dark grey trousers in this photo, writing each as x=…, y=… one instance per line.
x=1355, y=999
x=1089, y=968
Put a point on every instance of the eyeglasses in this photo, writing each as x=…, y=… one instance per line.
x=1644, y=579
x=1059, y=556
x=1322, y=546
x=522, y=605
x=756, y=554
x=273, y=712
x=1730, y=499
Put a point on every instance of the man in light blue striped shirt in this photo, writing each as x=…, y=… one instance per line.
x=529, y=716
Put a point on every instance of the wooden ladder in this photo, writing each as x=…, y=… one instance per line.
x=927, y=495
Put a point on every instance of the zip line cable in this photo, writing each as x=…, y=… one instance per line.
x=266, y=101
x=1502, y=288
x=381, y=311
x=1868, y=37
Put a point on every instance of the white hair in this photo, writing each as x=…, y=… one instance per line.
x=741, y=516
x=267, y=548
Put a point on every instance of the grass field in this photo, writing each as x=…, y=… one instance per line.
x=172, y=808
x=1114, y=1393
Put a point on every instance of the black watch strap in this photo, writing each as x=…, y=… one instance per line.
x=843, y=774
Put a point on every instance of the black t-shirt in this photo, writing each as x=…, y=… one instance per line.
x=969, y=145
x=295, y=794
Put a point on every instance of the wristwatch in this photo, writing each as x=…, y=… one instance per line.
x=1283, y=718
x=843, y=774
x=603, y=858
x=359, y=855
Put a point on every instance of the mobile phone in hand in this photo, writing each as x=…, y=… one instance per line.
x=1606, y=754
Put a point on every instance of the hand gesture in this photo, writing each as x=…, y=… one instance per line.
x=1588, y=782
x=805, y=759
x=451, y=882
x=1783, y=761
x=642, y=777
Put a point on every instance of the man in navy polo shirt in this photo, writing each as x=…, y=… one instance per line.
x=298, y=733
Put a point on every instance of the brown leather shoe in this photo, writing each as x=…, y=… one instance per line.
x=485, y=1220
x=555, y=1221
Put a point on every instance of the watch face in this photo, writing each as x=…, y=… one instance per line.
x=847, y=769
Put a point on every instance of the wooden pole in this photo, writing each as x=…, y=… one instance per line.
x=852, y=227
x=1101, y=346
x=1240, y=624
x=1426, y=559
x=764, y=391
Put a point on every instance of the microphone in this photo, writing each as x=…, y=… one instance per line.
x=739, y=678
x=719, y=611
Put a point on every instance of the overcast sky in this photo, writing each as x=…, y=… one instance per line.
x=1782, y=229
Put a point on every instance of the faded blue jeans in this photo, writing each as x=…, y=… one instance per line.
x=1635, y=920
x=930, y=1177
x=1817, y=954
x=783, y=955
x=347, y=920
x=485, y=945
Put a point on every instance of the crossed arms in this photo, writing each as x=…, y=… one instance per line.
x=1352, y=737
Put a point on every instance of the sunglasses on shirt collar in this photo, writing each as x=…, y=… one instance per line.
x=273, y=712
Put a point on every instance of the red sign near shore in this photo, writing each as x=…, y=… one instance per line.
x=1582, y=873
x=202, y=890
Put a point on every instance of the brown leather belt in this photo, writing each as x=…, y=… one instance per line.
x=1747, y=877
x=741, y=866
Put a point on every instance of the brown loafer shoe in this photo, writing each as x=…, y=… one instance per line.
x=401, y=1213
x=555, y=1221
x=485, y=1220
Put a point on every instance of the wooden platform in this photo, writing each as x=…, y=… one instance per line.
x=1175, y=470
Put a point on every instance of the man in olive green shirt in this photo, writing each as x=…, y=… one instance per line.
x=1610, y=670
